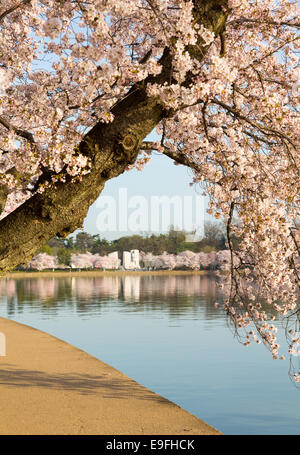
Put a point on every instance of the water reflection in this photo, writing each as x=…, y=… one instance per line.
x=175, y=294
x=165, y=332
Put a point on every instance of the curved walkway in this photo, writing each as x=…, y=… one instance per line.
x=48, y=386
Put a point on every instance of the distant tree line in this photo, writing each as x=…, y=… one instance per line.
x=173, y=242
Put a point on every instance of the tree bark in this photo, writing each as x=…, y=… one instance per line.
x=61, y=209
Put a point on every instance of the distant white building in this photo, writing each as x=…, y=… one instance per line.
x=135, y=258
x=126, y=260
x=131, y=259
x=195, y=236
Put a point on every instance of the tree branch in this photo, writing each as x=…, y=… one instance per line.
x=13, y=8
x=22, y=133
x=263, y=128
x=180, y=158
x=148, y=145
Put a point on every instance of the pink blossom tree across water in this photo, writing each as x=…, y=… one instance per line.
x=83, y=84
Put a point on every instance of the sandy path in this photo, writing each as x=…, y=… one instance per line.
x=48, y=386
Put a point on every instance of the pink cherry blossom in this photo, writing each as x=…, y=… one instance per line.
x=231, y=116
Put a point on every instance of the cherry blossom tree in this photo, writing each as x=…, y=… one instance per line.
x=82, y=85
x=83, y=261
x=165, y=261
x=42, y=261
x=147, y=259
x=204, y=260
x=107, y=262
x=94, y=261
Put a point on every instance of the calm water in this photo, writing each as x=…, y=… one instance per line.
x=164, y=332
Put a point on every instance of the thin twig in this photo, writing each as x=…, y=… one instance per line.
x=264, y=22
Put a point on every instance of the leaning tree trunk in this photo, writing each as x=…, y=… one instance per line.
x=61, y=209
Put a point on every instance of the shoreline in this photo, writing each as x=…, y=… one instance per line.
x=48, y=386
x=100, y=273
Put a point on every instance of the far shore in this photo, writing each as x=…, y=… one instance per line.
x=101, y=273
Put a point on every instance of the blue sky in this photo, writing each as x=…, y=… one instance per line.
x=159, y=178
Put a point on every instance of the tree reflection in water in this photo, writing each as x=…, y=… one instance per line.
x=173, y=293
x=147, y=325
